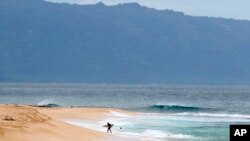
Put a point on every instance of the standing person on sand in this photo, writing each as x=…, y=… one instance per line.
x=109, y=126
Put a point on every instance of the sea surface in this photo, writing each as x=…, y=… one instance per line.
x=176, y=112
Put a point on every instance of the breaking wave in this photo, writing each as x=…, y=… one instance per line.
x=176, y=108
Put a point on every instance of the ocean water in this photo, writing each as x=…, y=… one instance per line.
x=167, y=112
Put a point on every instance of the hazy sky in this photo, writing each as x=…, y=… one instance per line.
x=239, y=9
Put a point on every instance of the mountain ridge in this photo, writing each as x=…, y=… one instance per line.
x=49, y=42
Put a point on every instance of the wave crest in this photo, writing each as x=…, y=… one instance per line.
x=47, y=103
x=176, y=108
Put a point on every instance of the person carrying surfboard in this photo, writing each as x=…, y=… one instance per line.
x=109, y=126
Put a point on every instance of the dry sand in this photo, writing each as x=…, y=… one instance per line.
x=28, y=123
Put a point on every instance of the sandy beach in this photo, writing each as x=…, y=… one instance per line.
x=29, y=123
x=62, y=112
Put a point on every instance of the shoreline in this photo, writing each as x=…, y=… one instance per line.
x=29, y=123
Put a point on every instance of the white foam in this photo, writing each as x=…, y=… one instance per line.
x=118, y=114
x=155, y=135
x=133, y=126
x=45, y=102
x=172, y=104
x=87, y=124
x=124, y=121
x=215, y=115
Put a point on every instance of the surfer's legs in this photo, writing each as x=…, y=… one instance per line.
x=109, y=130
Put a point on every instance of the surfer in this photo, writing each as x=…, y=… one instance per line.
x=109, y=126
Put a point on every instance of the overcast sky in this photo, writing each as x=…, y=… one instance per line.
x=238, y=9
